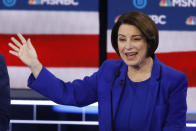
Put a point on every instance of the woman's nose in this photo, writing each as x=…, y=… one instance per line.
x=128, y=45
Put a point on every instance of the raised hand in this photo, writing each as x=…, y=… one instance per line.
x=25, y=51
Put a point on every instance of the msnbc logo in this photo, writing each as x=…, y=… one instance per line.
x=191, y=20
x=177, y=3
x=53, y=2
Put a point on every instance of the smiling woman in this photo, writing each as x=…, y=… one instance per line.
x=133, y=50
x=137, y=92
x=135, y=39
x=143, y=25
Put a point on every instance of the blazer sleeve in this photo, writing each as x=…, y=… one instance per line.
x=176, y=119
x=76, y=93
x=4, y=96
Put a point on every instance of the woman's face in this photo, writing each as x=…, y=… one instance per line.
x=132, y=45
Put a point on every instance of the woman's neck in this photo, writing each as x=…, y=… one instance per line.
x=141, y=72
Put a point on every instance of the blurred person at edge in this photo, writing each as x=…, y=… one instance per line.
x=140, y=92
x=4, y=96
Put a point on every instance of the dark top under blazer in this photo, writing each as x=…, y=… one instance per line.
x=4, y=95
x=167, y=108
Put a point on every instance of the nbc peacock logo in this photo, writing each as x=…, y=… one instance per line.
x=166, y=3
x=191, y=20
x=34, y=2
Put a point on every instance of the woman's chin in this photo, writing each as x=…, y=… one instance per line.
x=131, y=62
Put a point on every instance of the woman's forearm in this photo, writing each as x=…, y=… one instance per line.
x=36, y=68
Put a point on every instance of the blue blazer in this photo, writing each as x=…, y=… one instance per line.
x=167, y=103
x=4, y=96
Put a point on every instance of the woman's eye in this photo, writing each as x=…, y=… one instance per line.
x=122, y=39
x=136, y=39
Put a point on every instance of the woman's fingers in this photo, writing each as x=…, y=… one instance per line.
x=13, y=47
x=23, y=40
x=16, y=42
x=29, y=44
x=13, y=53
x=16, y=50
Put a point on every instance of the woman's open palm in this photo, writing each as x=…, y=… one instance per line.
x=24, y=50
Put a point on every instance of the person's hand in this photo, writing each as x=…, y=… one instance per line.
x=25, y=51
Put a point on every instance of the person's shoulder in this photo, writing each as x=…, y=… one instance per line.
x=1, y=56
x=2, y=59
x=173, y=80
x=112, y=62
x=108, y=68
x=170, y=73
x=110, y=65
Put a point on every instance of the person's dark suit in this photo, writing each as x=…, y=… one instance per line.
x=4, y=96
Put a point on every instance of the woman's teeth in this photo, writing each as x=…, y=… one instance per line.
x=130, y=54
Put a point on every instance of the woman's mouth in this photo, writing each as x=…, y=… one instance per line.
x=131, y=55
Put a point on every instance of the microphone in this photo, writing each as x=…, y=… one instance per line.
x=121, y=82
x=117, y=74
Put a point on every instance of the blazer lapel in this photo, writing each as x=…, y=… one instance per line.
x=118, y=88
x=155, y=85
